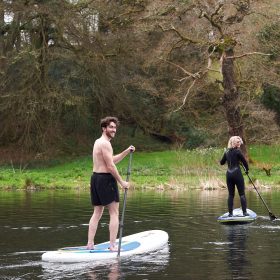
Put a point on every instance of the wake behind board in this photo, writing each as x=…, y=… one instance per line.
x=237, y=217
x=138, y=243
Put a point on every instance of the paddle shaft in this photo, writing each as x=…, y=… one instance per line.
x=124, y=203
x=272, y=216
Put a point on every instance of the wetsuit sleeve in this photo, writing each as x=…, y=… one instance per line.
x=243, y=160
x=223, y=160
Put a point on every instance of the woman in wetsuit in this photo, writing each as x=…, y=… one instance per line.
x=234, y=177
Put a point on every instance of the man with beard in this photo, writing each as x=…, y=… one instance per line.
x=104, y=188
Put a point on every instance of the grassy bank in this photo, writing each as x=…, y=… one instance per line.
x=169, y=169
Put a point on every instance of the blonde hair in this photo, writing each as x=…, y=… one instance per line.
x=233, y=140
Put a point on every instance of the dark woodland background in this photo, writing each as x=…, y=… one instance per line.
x=178, y=73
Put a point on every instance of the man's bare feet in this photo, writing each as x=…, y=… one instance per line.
x=114, y=248
x=90, y=246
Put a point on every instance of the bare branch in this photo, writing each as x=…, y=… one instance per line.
x=184, y=38
x=217, y=10
x=186, y=96
x=180, y=67
x=212, y=20
x=130, y=12
x=246, y=54
x=195, y=76
x=176, y=45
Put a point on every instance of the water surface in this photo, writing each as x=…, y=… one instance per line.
x=199, y=247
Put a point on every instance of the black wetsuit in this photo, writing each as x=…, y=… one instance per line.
x=234, y=177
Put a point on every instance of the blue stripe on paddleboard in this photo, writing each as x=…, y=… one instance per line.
x=101, y=248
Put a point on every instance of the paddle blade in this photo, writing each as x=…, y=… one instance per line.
x=272, y=216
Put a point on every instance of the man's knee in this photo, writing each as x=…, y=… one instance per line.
x=114, y=213
x=97, y=212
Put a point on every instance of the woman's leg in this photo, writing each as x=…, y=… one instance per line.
x=241, y=191
x=231, y=189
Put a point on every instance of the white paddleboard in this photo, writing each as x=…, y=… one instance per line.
x=238, y=217
x=138, y=243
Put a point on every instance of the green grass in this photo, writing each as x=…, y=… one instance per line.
x=166, y=169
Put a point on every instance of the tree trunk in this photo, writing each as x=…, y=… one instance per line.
x=231, y=99
x=2, y=41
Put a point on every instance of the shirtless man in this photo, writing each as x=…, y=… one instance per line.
x=104, y=188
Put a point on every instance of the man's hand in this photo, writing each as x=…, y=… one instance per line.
x=124, y=184
x=130, y=149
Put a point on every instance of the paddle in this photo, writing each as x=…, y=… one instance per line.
x=271, y=215
x=124, y=202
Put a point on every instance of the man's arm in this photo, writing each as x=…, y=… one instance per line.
x=117, y=158
x=108, y=158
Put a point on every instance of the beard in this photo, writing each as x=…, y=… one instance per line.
x=110, y=134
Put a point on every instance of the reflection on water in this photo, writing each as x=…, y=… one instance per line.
x=238, y=258
x=199, y=247
x=113, y=273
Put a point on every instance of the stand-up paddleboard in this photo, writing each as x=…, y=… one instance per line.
x=138, y=243
x=237, y=217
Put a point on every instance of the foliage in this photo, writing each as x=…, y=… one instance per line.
x=180, y=167
x=269, y=36
x=65, y=64
x=271, y=98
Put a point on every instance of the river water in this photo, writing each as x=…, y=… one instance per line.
x=199, y=247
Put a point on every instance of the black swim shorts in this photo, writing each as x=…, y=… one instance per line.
x=103, y=189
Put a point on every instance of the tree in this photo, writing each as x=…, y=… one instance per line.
x=46, y=78
x=165, y=66
x=217, y=29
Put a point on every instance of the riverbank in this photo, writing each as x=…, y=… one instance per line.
x=176, y=169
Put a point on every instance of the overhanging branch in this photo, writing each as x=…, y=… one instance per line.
x=246, y=54
x=186, y=96
x=183, y=37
